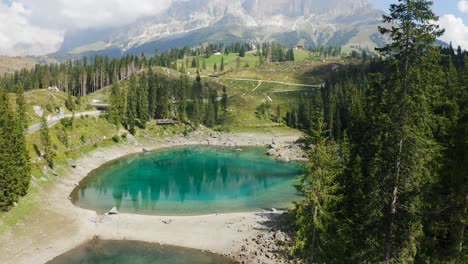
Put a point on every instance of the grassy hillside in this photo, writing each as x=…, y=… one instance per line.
x=247, y=63
x=74, y=138
x=11, y=64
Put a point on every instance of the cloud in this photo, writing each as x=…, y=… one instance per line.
x=463, y=6
x=19, y=37
x=35, y=27
x=82, y=14
x=455, y=30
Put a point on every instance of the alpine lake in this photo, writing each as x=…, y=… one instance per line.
x=180, y=181
x=190, y=181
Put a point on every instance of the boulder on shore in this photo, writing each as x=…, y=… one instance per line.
x=71, y=163
x=146, y=150
x=272, y=152
x=283, y=159
x=113, y=211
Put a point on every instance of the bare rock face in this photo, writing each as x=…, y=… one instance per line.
x=198, y=21
x=296, y=8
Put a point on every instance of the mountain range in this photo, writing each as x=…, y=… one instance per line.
x=195, y=22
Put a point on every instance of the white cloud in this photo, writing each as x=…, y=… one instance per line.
x=463, y=6
x=19, y=37
x=73, y=14
x=455, y=30
x=34, y=27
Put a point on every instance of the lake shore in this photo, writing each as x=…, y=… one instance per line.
x=57, y=226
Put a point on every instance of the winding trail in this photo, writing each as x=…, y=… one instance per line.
x=277, y=82
x=259, y=84
x=54, y=120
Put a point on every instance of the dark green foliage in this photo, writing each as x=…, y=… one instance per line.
x=15, y=169
x=401, y=128
x=316, y=213
x=263, y=110
x=224, y=103
x=149, y=96
x=118, y=102
x=46, y=142
x=278, y=53
x=242, y=52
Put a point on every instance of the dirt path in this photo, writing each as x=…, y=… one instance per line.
x=277, y=82
x=54, y=120
x=259, y=84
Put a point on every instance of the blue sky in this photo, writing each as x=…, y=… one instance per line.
x=440, y=7
x=453, y=17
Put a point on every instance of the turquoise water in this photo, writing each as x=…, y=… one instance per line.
x=190, y=181
x=133, y=252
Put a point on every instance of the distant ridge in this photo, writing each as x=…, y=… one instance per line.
x=193, y=22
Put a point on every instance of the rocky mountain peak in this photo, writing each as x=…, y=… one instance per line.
x=295, y=8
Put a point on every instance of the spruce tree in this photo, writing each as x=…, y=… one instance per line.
x=132, y=100
x=315, y=215
x=402, y=167
x=143, y=101
x=21, y=106
x=46, y=141
x=224, y=103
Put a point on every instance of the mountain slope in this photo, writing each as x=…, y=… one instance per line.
x=193, y=22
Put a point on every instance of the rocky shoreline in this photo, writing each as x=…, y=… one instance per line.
x=244, y=237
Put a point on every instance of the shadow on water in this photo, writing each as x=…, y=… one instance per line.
x=134, y=252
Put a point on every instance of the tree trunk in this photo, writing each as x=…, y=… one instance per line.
x=312, y=253
x=393, y=204
x=462, y=231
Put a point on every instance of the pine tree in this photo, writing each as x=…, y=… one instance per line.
x=131, y=114
x=403, y=167
x=117, y=110
x=152, y=93
x=315, y=215
x=143, y=101
x=8, y=181
x=21, y=106
x=222, y=64
x=224, y=103
x=20, y=128
x=242, y=52
x=46, y=141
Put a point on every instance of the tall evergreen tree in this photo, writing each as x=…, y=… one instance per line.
x=315, y=215
x=143, y=100
x=402, y=167
x=132, y=101
x=46, y=141
x=224, y=103
x=21, y=106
